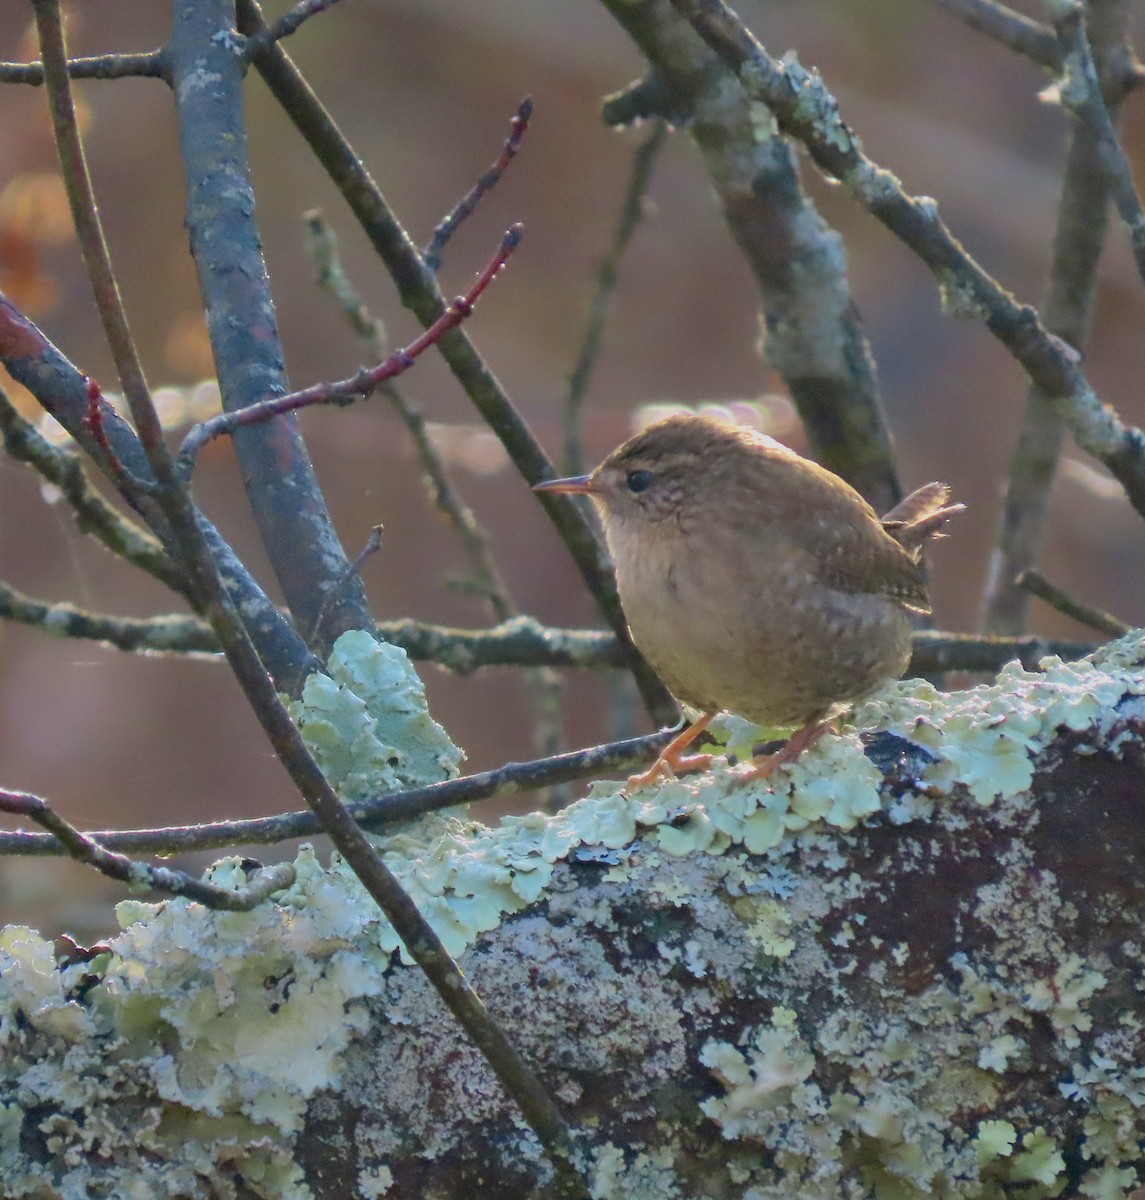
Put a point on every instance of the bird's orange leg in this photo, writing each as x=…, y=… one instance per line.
x=673, y=760
x=799, y=741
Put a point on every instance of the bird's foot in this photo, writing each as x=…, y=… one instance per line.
x=664, y=768
x=800, y=740
x=672, y=760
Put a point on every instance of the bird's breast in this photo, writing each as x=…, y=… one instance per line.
x=748, y=628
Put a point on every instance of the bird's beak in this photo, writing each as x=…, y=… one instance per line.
x=575, y=485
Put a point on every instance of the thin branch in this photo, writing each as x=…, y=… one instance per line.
x=61, y=468
x=151, y=65
x=358, y=385
x=1038, y=585
x=147, y=635
x=1071, y=294
x=518, y=642
x=1009, y=28
x=418, y=289
x=934, y=652
x=807, y=111
x=1080, y=92
x=632, y=210
x=93, y=244
x=285, y=25
x=142, y=875
x=510, y=779
x=431, y=255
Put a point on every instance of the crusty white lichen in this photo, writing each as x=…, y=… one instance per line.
x=735, y=967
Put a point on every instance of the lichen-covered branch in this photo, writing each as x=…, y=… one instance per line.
x=518, y=642
x=261, y=882
x=148, y=635
x=286, y=25
x=806, y=111
x=812, y=333
x=1082, y=220
x=1080, y=93
x=909, y=968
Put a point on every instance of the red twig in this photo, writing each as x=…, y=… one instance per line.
x=432, y=253
x=130, y=485
x=359, y=385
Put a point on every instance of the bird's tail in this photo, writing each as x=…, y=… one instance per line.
x=920, y=515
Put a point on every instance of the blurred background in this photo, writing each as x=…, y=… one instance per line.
x=425, y=89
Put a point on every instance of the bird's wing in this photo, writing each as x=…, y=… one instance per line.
x=852, y=552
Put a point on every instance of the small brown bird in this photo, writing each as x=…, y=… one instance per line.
x=756, y=581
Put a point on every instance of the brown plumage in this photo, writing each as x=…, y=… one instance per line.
x=754, y=580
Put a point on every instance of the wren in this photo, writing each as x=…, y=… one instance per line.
x=756, y=581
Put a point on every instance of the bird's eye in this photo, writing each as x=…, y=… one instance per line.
x=638, y=481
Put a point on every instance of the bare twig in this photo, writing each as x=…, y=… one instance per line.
x=142, y=875
x=151, y=65
x=285, y=25
x=1082, y=220
x=512, y=778
x=132, y=486
x=371, y=546
x=419, y=292
x=360, y=384
x=89, y=231
x=332, y=277
x=1009, y=28
x=807, y=111
x=489, y=180
x=1038, y=585
x=632, y=209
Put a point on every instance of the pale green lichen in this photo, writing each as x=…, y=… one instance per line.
x=958, y=297
x=367, y=723
x=1039, y=1160
x=995, y=1139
